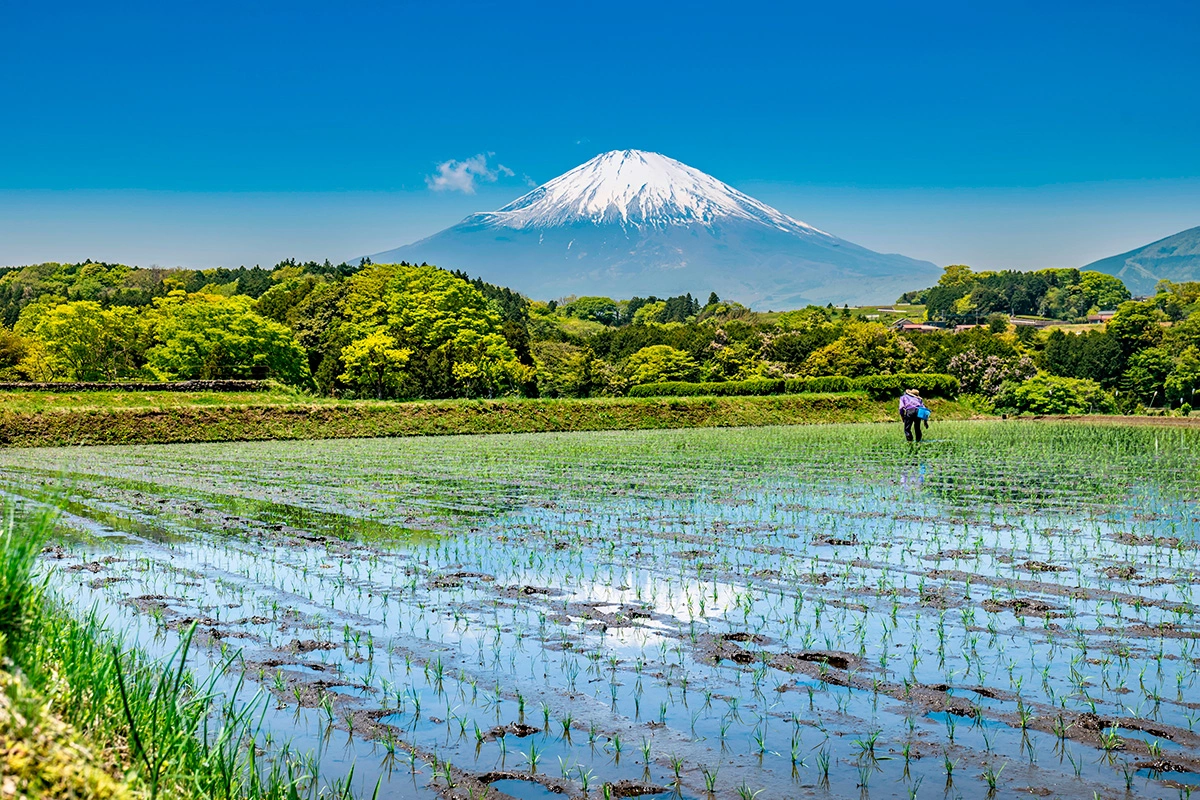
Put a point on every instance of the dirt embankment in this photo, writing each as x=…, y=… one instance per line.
x=256, y=423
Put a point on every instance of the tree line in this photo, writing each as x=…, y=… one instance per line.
x=396, y=331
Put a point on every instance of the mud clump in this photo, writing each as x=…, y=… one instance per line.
x=527, y=591
x=627, y=788
x=1017, y=605
x=1146, y=541
x=833, y=659
x=835, y=541
x=517, y=729
x=453, y=580
x=309, y=645
x=1040, y=566
x=743, y=637
x=1163, y=765
x=692, y=555
x=101, y=582
x=1126, y=573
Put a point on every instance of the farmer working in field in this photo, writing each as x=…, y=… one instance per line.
x=913, y=412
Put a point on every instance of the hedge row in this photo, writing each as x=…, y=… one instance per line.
x=878, y=386
x=65, y=387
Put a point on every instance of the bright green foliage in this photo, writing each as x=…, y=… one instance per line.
x=374, y=364
x=598, y=309
x=650, y=313
x=881, y=386
x=756, y=387
x=1183, y=383
x=659, y=363
x=563, y=369
x=965, y=296
x=1046, y=394
x=1136, y=326
x=1145, y=376
x=84, y=342
x=865, y=348
x=454, y=335
x=213, y=337
x=1102, y=290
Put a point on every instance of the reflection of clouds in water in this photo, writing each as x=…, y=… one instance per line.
x=661, y=598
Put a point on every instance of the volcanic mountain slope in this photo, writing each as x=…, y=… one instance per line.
x=1175, y=258
x=634, y=223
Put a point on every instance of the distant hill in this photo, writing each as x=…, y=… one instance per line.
x=1175, y=258
x=630, y=222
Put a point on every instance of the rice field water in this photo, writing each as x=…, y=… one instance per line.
x=770, y=612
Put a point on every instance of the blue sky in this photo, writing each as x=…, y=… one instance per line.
x=1005, y=135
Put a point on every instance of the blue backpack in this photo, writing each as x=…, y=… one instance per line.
x=922, y=412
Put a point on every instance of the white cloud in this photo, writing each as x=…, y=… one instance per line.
x=461, y=176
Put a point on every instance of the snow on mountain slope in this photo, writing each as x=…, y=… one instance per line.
x=636, y=188
x=630, y=222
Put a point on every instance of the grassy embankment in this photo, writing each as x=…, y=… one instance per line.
x=83, y=718
x=29, y=420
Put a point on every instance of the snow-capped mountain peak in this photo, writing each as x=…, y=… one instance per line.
x=636, y=188
x=631, y=222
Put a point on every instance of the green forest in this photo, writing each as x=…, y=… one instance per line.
x=403, y=331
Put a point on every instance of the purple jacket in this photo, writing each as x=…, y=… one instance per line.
x=908, y=403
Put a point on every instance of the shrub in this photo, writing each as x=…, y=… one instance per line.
x=756, y=386
x=660, y=362
x=979, y=374
x=879, y=386
x=1046, y=394
x=932, y=384
x=827, y=384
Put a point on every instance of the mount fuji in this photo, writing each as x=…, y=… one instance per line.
x=631, y=222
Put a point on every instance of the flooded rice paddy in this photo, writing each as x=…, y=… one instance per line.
x=779, y=612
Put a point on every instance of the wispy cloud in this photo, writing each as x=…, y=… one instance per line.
x=462, y=176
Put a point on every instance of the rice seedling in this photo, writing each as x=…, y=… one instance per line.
x=720, y=590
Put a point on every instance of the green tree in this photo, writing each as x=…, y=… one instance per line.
x=659, y=363
x=1101, y=290
x=1046, y=394
x=1183, y=384
x=956, y=275
x=454, y=333
x=598, y=309
x=1136, y=326
x=85, y=342
x=563, y=369
x=865, y=348
x=375, y=364
x=14, y=349
x=650, y=313
x=212, y=337
x=1146, y=374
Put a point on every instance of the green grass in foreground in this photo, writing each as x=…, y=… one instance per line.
x=329, y=420
x=82, y=718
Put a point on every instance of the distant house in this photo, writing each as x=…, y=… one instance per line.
x=1100, y=317
x=1026, y=322
x=961, y=328
x=906, y=325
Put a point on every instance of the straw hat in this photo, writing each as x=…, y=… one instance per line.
x=913, y=392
